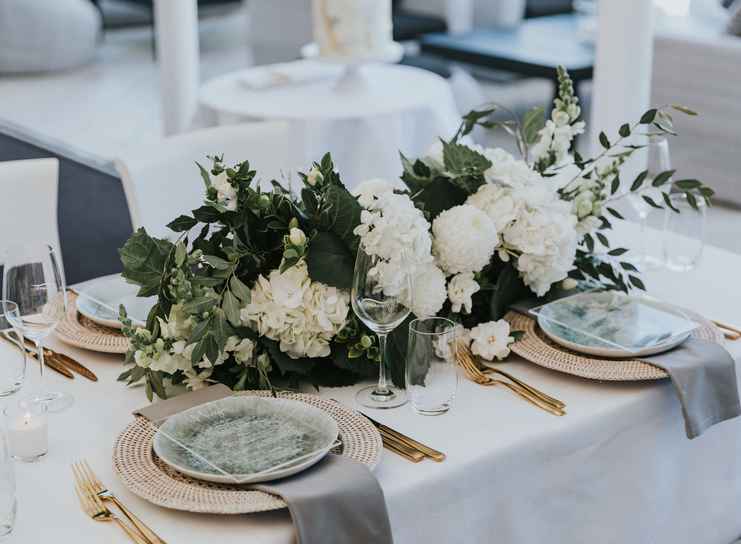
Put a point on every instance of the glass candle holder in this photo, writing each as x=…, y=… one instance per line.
x=431, y=367
x=28, y=431
x=7, y=482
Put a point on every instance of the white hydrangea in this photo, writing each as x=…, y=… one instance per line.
x=491, y=340
x=394, y=230
x=498, y=202
x=226, y=194
x=460, y=290
x=464, y=239
x=505, y=169
x=303, y=316
x=370, y=189
x=241, y=348
x=428, y=291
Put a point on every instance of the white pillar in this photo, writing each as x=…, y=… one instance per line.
x=622, y=71
x=177, y=54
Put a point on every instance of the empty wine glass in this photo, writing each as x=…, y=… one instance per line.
x=382, y=308
x=12, y=353
x=34, y=280
x=650, y=252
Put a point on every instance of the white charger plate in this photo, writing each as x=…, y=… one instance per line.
x=99, y=300
x=242, y=439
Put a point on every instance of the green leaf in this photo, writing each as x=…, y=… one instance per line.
x=615, y=213
x=589, y=241
x=143, y=259
x=692, y=200
x=472, y=118
x=636, y=282
x=155, y=379
x=688, y=184
x=508, y=289
x=624, y=130
x=532, y=123
x=648, y=117
x=603, y=239
x=662, y=178
x=652, y=203
x=615, y=184
x=344, y=212
x=628, y=266
x=285, y=363
x=240, y=290
x=204, y=175
x=639, y=181
x=604, y=140
x=617, y=252
x=180, y=254
x=217, y=262
x=461, y=159
x=231, y=308
x=668, y=202
x=440, y=195
x=684, y=110
x=199, y=305
x=330, y=261
x=207, y=214
x=182, y=223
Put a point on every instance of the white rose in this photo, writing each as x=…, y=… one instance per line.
x=297, y=237
x=491, y=340
x=460, y=290
x=314, y=176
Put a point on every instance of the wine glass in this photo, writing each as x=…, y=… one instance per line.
x=658, y=160
x=382, y=309
x=12, y=352
x=34, y=280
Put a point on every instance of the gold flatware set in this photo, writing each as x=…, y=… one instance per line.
x=93, y=495
x=730, y=332
x=480, y=374
x=58, y=362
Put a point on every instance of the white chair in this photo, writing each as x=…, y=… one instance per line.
x=29, y=192
x=162, y=181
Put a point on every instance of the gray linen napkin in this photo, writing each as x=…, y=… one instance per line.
x=337, y=501
x=703, y=374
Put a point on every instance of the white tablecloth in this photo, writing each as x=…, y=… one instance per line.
x=617, y=469
x=395, y=108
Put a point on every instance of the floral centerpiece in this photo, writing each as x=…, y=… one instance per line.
x=254, y=289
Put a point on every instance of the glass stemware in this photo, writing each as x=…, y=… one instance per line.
x=34, y=280
x=12, y=352
x=650, y=252
x=8, y=503
x=382, y=310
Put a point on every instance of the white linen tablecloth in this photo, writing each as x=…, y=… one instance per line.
x=618, y=468
x=364, y=127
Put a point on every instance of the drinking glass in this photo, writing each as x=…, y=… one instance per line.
x=7, y=483
x=684, y=233
x=34, y=280
x=650, y=252
x=382, y=310
x=431, y=367
x=12, y=353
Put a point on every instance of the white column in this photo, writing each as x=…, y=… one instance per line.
x=623, y=67
x=177, y=54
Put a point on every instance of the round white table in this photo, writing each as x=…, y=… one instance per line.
x=364, y=125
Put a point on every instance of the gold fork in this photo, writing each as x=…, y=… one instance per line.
x=96, y=487
x=96, y=510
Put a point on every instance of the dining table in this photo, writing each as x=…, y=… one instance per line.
x=616, y=468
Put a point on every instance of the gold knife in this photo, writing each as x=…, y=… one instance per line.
x=51, y=363
x=411, y=442
x=65, y=360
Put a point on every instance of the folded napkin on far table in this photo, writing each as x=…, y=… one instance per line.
x=703, y=375
x=336, y=501
x=263, y=78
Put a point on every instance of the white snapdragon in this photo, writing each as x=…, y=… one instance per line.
x=460, y=290
x=491, y=340
x=464, y=239
x=226, y=194
x=302, y=315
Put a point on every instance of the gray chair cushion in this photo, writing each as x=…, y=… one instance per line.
x=734, y=22
x=47, y=35
x=92, y=211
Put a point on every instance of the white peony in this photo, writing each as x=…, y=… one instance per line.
x=302, y=315
x=428, y=291
x=460, y=290
x=491, y=340
x=464, y=239
x=226, y=194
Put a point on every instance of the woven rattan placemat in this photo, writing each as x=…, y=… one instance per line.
x=79, y=331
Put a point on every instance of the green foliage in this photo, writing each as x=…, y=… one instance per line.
x=330, y=261
x=144, y=259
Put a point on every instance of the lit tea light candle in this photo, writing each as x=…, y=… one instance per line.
x=28, y=434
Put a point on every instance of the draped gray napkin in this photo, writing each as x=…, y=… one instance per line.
x=703, y=375
x=336, y=501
